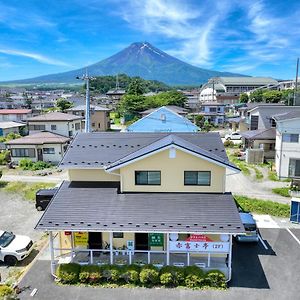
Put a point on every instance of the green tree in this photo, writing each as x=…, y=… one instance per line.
x=244, y=98
x=136, y=87
x=206, y=126
x=63, y=104
x=131, y=104
x=199, y=120
x=256, y=96
x=166, y=98
x=272, y=96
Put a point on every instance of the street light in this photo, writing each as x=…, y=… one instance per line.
x=86, y=78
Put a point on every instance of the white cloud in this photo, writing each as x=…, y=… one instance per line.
x=35, y=56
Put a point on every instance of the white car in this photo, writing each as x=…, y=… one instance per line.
x=14, y=248
x=233, y=136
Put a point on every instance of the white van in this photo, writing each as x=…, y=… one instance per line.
x=14, y=248
x=250, y=227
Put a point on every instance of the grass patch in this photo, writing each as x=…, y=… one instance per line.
x=243, y=166
x=24, y=189
x=273, y=176
x=284, y=191
x=258, y=174
x=260, y=206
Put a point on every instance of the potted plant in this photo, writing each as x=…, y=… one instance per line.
x=157, y=263
x=121, y=262
x=139, y=262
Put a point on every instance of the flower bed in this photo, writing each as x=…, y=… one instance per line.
x=147, y=276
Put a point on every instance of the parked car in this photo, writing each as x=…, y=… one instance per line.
x=250, y=227
x=233, y=136
x=14, y=248
x=43, y=197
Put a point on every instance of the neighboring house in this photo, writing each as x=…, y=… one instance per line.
x=212, y=112
x=287, y=156
x=176, y=109
x=16, y=115
x=41, y=146
x=261, y=120
x=115, y=95
x=10, y=127
x=100, y=120
x=162, y=119
x=260, y=139
x=56, y=122
x=147, y=196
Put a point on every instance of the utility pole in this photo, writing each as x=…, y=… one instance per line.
x=87, y=78
x=296, y=82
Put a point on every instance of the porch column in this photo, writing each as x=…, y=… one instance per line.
x=72, y=245
x=229, y=257
x=111, y=248
x=168, y=248
x=52, y=265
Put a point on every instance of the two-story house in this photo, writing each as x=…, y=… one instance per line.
x=287, y=156
x=99, y=116
x=144, y=197
x=213, y=112
x=262, y=133
x=16, y=115
x=56, y=122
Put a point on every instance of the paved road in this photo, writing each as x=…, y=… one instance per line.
x=243, y=185
x=258, y=273
x=19, y=216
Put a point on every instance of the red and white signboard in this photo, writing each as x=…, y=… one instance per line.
x=184, y=246
x=198, y=238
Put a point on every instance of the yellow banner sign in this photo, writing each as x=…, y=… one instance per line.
x=81, y=238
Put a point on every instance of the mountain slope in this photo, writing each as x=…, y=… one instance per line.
x=139, y=59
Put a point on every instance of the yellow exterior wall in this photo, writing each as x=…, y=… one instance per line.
x=172, y=173
x=91, y=175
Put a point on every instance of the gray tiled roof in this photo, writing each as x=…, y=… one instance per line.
x=171, y=139
x=261, y=134
x=248, y=80
x=79, y=207
x=54, y=116
x=266, y=113
x=99, y=149
x=287, y=116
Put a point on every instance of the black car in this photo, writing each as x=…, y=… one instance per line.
x=43, y=197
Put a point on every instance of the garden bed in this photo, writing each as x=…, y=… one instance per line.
x=148, y=276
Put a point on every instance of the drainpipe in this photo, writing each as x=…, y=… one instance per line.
x=229, y=258
x=52, y=266
x=279, y=171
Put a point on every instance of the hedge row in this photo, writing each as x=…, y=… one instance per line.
x=148, y=276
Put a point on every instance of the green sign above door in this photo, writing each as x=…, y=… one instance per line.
x=156, y=239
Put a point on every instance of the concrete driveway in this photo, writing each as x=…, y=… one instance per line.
x=258, y=273
x=20, y=217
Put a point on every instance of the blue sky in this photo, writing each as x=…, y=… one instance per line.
x=255, y=37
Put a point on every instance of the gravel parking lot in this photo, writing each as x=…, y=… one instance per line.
x=20, y=217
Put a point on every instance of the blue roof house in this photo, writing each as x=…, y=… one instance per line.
x=163, y=120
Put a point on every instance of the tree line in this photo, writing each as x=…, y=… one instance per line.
x=268, y=96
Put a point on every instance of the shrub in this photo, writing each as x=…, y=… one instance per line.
x=68, y=273
x=110, y=273
x=171, y=276
x=215, y=278
x=194, y=277
x=4, y=157
x=284, y=191
x=90, y=274
x=25, y=164
x=149, y=275
x=130, y=276
x=228, y=143
x=5, y=291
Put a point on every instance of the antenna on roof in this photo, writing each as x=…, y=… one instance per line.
x=117, y=82
x=87, y=79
